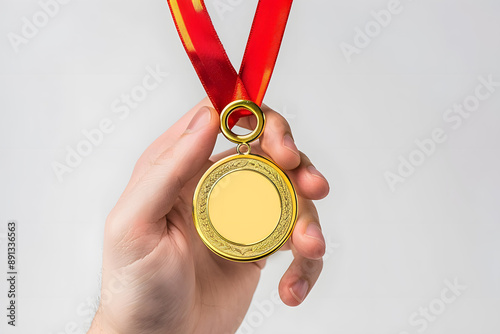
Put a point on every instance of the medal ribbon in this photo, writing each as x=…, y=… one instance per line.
x=218, y=76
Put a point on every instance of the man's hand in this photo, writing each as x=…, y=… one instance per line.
x=158, y=276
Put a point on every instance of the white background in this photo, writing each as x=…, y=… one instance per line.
x=390, y=252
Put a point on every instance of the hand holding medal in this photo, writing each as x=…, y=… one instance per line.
x=158, y=275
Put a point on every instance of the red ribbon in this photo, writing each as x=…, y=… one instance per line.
x=222, y=84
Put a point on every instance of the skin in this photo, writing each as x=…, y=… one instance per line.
x=158, y=276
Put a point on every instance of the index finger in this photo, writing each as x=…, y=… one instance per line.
x=277, y=140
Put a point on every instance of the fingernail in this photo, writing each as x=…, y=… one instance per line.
x=299, y=290
x=200, y=120
x=313, y=231
x=314, y=171
x=290, y=144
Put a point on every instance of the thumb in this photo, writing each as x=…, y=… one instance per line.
x=155, y=192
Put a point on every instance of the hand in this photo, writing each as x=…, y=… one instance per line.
x=158, y=276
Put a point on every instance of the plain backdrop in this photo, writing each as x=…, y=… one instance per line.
x=391, y=251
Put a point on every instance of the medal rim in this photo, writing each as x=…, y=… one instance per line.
x=283, y=238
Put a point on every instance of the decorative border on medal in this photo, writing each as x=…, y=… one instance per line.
x=235, y=251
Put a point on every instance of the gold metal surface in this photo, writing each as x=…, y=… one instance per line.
x=244, y=207
x=244, y=104
x=238, y=148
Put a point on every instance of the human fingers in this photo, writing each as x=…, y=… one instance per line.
x=308, y=246
x=299, y=279
x=165, y=140
x=307, y=180
x=310, y=183
x=277, y=140
x=150, y=197
x=307, y=237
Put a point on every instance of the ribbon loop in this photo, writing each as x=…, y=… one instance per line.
x=218, y=76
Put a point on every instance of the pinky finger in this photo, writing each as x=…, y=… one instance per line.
x=299, y=279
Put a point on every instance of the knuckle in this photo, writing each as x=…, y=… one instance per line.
x=164, y=157
x=278, y=121
x=311, y=267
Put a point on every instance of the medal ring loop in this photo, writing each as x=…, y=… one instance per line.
x=238, y=148
x=254, y=109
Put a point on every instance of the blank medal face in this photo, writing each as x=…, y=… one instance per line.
x=244, y=208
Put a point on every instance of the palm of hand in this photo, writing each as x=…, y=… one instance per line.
x=210, y=294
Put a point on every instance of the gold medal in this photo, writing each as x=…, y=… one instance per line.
x=244, y=206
